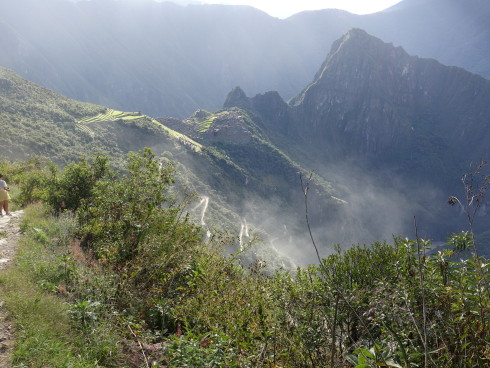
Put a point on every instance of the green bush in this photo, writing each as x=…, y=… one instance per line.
x=135, y=225
x=67, y=190
x=213, y=350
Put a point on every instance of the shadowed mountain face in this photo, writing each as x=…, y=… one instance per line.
x=372, y=101
x=169, y=60
x=379, y=101
x=378, y=120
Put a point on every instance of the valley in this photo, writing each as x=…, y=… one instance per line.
x=209, y=186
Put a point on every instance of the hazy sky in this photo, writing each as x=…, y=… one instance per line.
x=285, y=8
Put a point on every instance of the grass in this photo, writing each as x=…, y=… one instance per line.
x=114, y=115
x=43, y=338
x=110, y=115
x=205, y=121
x=46, y=333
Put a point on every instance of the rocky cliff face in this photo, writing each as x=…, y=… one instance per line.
x=373, y=102
x=357, y=94
x=375, y=99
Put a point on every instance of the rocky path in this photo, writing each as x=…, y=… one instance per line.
x=9, y=237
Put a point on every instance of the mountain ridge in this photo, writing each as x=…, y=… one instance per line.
x=167, y=60
x=363, y=76
x=389, y=117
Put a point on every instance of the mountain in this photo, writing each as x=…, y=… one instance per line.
x=375, y=115
x=169, y=60
x=450, y=31
x=373, y=101
x=243, y=184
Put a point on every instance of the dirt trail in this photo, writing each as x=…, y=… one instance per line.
x=9, y=238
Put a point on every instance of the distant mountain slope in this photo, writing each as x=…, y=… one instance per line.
x=169, y=60
x=385, y=121
x=263, y=166
x=159, y=58
x=451, y=31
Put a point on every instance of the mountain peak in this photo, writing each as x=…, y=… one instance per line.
x=357, y=50
x=356, y=33
x=355, y=37
x=357, y=61
x=375, y=97
x=237, y=98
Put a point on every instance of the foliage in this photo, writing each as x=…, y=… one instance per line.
x=75, y=184
x=32, y=289
x=211, y=350
x=26, y=179
x=129, y=260
x=134, y=225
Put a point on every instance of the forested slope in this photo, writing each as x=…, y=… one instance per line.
x=121, y=278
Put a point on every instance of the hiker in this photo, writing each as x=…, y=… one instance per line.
x=4, y=197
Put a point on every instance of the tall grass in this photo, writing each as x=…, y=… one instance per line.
x=46, y=334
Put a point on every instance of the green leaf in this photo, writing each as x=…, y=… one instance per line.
x=365, y=353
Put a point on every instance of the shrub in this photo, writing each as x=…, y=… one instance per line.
x=137, y=227
x=67, y=190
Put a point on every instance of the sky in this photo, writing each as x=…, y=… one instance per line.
x=285, y=8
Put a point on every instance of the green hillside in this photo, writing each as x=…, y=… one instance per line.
x=40, y=122
x=246, y=179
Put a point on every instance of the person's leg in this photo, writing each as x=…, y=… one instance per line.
x=2, y=205
x=6, y=207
